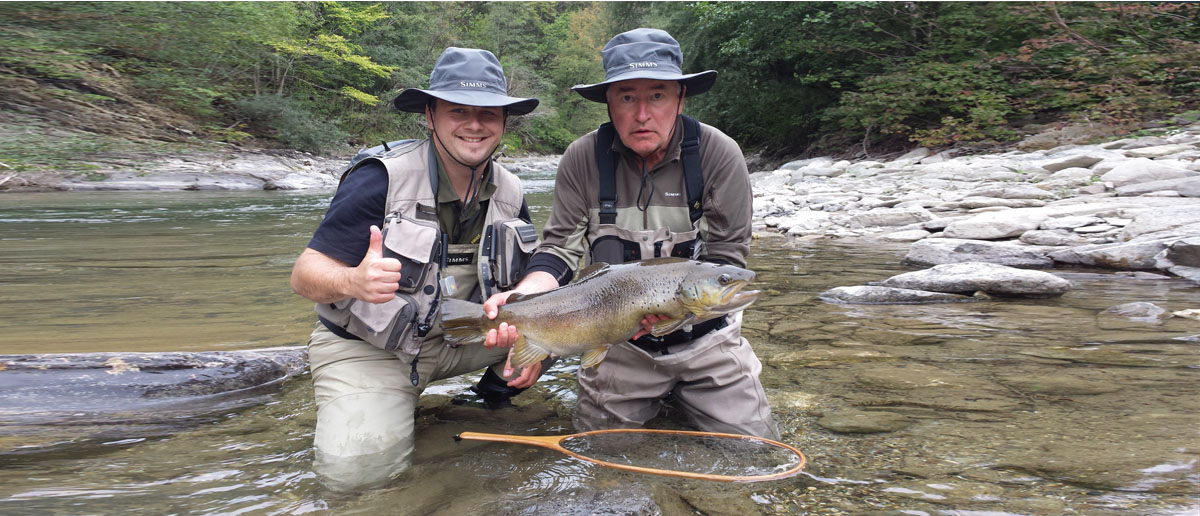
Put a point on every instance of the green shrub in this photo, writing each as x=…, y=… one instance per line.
x=291, y=124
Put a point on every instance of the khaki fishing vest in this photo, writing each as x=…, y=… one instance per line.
x=412, y=234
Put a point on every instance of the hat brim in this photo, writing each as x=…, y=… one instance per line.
x=413, y=100
x=696, y=83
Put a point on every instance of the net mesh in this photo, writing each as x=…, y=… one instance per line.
x=711, y=455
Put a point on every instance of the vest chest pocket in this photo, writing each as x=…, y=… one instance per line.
x=515, y=242
x=414, y=243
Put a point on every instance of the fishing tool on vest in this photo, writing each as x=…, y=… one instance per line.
x=673, y=453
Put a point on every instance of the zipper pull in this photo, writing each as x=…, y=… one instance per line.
x=414, y=377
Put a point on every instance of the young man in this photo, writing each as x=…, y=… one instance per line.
x=622, y=193
x=402, y=232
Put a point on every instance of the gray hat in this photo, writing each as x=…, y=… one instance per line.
x=467, y=76
x=645, y=54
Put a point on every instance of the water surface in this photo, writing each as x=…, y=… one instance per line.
x=1002, y=406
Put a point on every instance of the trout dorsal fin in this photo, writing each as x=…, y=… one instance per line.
x=591, y=271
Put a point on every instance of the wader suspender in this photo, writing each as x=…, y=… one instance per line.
x=689, y=151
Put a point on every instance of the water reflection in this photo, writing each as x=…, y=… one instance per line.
x=995, y=407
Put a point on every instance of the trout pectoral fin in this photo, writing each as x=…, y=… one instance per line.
x=525, y=352
x=664, y=327
x=592, y=358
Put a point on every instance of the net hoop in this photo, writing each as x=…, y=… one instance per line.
x=554, y=442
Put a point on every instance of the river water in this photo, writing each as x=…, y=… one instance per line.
x=991, y=408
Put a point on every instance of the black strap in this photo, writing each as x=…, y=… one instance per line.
x=606, y=161
x=652, y=344
x=692, y=171
x=690, y=153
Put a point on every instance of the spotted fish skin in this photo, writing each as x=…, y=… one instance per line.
x=605, y=306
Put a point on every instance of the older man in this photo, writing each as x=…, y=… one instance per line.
x=653, y=183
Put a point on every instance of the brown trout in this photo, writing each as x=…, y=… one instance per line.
x=605, y=306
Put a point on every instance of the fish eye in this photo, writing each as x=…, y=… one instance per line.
x=723, y=279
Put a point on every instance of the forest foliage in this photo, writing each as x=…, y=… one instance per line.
x=802, y=76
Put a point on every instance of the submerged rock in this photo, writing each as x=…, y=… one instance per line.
x=966, y=278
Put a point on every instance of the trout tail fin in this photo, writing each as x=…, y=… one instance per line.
x=461, y=322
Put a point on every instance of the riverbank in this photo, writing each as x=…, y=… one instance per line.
x=1129, y=204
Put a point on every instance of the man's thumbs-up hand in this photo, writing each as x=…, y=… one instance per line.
x=376, y=277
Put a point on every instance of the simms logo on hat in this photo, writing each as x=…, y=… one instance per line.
x=644, y=54
x=467, y=76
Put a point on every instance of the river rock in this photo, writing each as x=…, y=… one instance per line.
x=1139, y=311
x=994, y=279
x=863, y=422
x=1185, y=252
x=888, y=295
x=996, y=225
x=1058, y=385
x=890, y=217
x=117, y=396
x=1143, y=170
x=1139, y=255
x=937, y=251
x=1078, y=161
x=1053, y=238
x=1159, y=151
x=1180, y=220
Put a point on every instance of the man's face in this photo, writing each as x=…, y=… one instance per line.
x=643, y=112
x=468, y=133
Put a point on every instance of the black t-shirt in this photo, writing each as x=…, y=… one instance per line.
x=344, y=234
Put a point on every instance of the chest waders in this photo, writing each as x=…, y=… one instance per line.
x=431, y=267
x=613, y=244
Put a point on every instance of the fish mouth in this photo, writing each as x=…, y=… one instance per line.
x=733, y=298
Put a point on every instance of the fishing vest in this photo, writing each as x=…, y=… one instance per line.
x=430, y=266
x=613, y=244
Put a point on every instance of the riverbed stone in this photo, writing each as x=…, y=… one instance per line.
x=1142, y=170
x=867, y=294
x=1137, y=311
x=1077, y=161
x=1159, y=151
x=1184, y=252
x=997, y=225
x=970, y=277
x=822, y=356
x=1139, y=255
x=1115, y=462
x=1052, y=238
x=937, y=251
x=1058, y=385
x=1103, y=356
x=863, y=422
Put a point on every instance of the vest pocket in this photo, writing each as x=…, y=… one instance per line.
x=414, y=243
x=385, y=325
x=515, y=242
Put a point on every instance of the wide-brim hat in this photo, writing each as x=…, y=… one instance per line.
x=645, y=54
x=467, y=76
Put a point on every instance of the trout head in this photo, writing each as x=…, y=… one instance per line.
x=711, y=290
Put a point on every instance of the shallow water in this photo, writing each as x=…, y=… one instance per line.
x=1000, y=406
